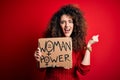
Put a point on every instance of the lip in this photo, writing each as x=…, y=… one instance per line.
x=67, y=30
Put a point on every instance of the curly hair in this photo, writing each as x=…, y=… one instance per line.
x=79, y=29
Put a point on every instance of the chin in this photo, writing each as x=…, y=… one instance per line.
x=67, y=35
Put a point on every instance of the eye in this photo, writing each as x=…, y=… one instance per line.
x=62, y=22
x=70, y=21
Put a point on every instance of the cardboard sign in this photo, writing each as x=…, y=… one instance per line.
x=56, y=52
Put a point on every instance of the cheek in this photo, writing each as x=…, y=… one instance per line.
x=62, y=27
x=72, y=27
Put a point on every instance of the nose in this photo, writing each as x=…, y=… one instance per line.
x=66, y=24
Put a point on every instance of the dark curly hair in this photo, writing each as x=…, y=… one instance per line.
x=79, y=29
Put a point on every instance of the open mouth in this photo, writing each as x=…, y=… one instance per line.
x=67, y=30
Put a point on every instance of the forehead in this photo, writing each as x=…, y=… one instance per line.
x=65, y=16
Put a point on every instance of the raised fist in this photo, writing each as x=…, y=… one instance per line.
x=93, y=40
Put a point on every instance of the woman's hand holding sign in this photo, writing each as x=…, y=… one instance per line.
x=37, y=54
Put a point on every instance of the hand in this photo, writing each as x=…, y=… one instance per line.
x=93, y=40
x=37, y=54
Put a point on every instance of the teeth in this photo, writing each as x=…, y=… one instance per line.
x=67, y=29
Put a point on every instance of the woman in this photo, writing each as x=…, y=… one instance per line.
x=69, y=22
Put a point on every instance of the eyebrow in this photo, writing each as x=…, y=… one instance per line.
x=65, y=20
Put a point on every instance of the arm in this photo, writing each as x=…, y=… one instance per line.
x=86, y=58
x=84, y=66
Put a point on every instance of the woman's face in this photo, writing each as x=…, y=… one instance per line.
x=66, y=24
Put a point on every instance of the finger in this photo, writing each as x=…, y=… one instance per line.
x=35, y=54
x=37, y=58
x=38, y=54
x=97, y=35
x=95, y=38
x=38, y=49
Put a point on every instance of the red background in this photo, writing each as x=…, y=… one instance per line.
x=22, y=22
